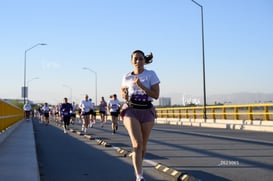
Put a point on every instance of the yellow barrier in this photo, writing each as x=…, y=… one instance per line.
x=234, y=112
x=9, y=114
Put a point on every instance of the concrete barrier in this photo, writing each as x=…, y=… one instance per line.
x=6, y=132
x=248, y=125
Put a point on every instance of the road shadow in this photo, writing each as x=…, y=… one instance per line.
x=206, y=176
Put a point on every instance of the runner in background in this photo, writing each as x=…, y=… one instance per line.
x=73, y=113
x=41, y=114
x=85, y=107
x=65, y=112
x=46, y=110
x=27, y=109
x=103, y=111
x=92, y=114
x=113, y=107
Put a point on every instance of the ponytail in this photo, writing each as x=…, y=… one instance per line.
x=149, y=58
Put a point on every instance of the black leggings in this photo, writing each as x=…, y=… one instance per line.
x=66, y=120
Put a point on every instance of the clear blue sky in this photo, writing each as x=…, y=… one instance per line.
x=101, y=34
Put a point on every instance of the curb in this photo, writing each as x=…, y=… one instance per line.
x=88, y=137
x=123, y=152
x=79, y=133
x=174, y=174
x=103, y=143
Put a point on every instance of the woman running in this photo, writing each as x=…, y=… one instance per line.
x=139, y=88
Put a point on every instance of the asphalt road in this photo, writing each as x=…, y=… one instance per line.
x=72, y=157
x=207, y=154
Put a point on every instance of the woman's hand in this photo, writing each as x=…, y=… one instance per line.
x=124, y=93
x=137, y=82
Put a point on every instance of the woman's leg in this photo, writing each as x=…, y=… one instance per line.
x=102, y=117
x=114, y=122
x=86, y=121
x=67, y=122
x=146, y=130
x=47, y=119
x=64, y=123
x=134, y=130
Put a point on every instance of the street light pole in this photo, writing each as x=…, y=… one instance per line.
x=96, y=78
x=203, y=55
x=25, y=69
x=30, y=81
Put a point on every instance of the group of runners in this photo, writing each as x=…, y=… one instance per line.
x=42, y=112
x=85, y=113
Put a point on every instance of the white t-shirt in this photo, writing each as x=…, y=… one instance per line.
x=114, y=105
x=45, y=109
x=27, y=107
x=86, y=106
x=148, y=78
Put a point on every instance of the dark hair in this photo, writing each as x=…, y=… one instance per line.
x=148, y=58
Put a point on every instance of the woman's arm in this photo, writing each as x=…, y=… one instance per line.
x=153, y=92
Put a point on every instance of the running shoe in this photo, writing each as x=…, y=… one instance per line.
x=141, y=178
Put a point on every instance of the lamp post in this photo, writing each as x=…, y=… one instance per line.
x=70, y=91
x=30, y=81
x=203, y=55
x=24, y=90
x=96, y=78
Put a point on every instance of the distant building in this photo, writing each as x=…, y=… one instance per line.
x=164, y=101
x=189, y=100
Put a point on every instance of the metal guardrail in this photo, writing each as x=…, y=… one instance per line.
x=234, y=112
x=9, y=114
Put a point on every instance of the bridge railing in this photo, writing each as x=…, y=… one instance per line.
x=9, y=114
x=234, y=112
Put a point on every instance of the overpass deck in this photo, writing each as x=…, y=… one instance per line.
x=205, y=153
